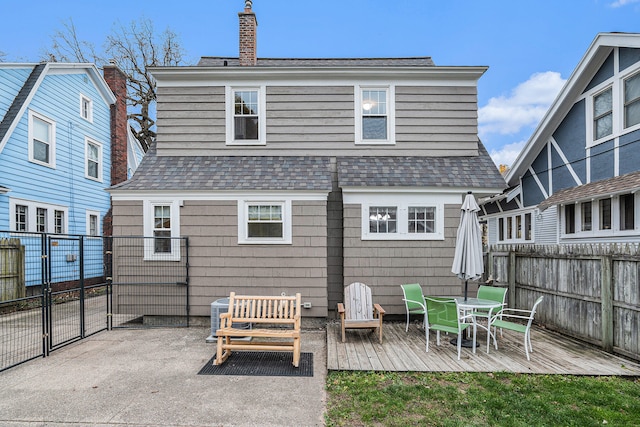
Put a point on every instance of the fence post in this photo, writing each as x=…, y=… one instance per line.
x=606, y=302
x=512, y=278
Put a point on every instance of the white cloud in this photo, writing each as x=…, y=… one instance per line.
x=507, y=154
x=620, y=3
x=525, y=106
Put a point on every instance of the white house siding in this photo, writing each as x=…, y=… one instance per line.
x=546, y=227
x=219, y=265
x=385, y=265
x=492, y=231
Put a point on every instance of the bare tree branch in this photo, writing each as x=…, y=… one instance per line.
x=134, y=49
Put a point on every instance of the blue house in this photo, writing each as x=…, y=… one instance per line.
x=576, y=179
x=64, y=139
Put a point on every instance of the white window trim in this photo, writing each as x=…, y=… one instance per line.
x=595, y=231
x=262, y=116
x=391, y=115
x=88, y=141
x=90, y=102
x=402, y=202
x=616, y=82
x=148, y=219
x=514, y=213
x=243, y=216
x=88, y=215
x=32, y=207
x=52, y=139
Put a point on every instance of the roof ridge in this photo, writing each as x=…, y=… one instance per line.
x=20, y=98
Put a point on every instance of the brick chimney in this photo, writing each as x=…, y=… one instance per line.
x=248, y=28
x=117, y=82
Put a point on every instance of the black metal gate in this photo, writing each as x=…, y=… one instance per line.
x=58, y=289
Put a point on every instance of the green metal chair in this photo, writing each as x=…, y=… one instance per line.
x=524, y=316
x=492, y=293
x=444, y=315
x=413, y=301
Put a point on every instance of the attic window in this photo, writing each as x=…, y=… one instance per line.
x=632, y=101
x=86, y=108
x=603, y=114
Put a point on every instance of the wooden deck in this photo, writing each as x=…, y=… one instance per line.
x=405, y=351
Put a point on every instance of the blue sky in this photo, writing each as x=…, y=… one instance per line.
x=530, y=47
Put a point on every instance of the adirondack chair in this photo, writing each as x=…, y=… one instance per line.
x=358, y=310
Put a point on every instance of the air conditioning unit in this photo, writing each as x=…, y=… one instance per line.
x=217, y=308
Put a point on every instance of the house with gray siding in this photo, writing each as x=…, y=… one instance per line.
x=304, y=175
x=576, y=179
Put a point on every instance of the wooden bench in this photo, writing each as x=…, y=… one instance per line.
x=281, y=312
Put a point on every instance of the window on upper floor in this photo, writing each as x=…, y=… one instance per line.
x=601, y=217
x=603, y=114
x=37, y=217
x=86, y=108
x=516, y=227
x=42, y=142
x=632, y=101
x=246, y=116
x=93, y=160
x=264, y=222
x=375, y=115
x=161, y=222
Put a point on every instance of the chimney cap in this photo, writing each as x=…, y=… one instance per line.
x=247, y=4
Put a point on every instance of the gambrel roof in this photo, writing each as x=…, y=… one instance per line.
x=32, y=83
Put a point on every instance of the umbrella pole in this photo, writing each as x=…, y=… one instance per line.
x=466, y=284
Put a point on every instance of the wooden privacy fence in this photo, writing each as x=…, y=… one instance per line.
x=12, y=285
x=591, y=291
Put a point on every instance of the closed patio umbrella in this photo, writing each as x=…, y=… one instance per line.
x=467, y=260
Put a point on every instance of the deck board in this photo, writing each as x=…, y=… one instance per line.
x=405, y=351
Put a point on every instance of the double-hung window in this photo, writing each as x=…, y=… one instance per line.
x=264, y=221
x=375, y=115
x=86, y=108
x=603, y=114
x=632, y=101
x=93, y=160
x=162, y=230
x=93, y=223
x=246, y=116
x=41, y=140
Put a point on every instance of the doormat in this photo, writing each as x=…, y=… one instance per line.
x=261, y=364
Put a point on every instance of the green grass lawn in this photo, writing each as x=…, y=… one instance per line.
x=480, y=399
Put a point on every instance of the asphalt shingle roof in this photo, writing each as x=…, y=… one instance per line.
x=424, y=61
x=604, y=188
x=223, y=173
x=300, y=173
x=409, y=171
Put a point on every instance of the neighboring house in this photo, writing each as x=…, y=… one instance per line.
x=63, y=141
x=303, y=175
x=576, y=179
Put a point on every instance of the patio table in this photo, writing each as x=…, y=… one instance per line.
x=471, y=304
